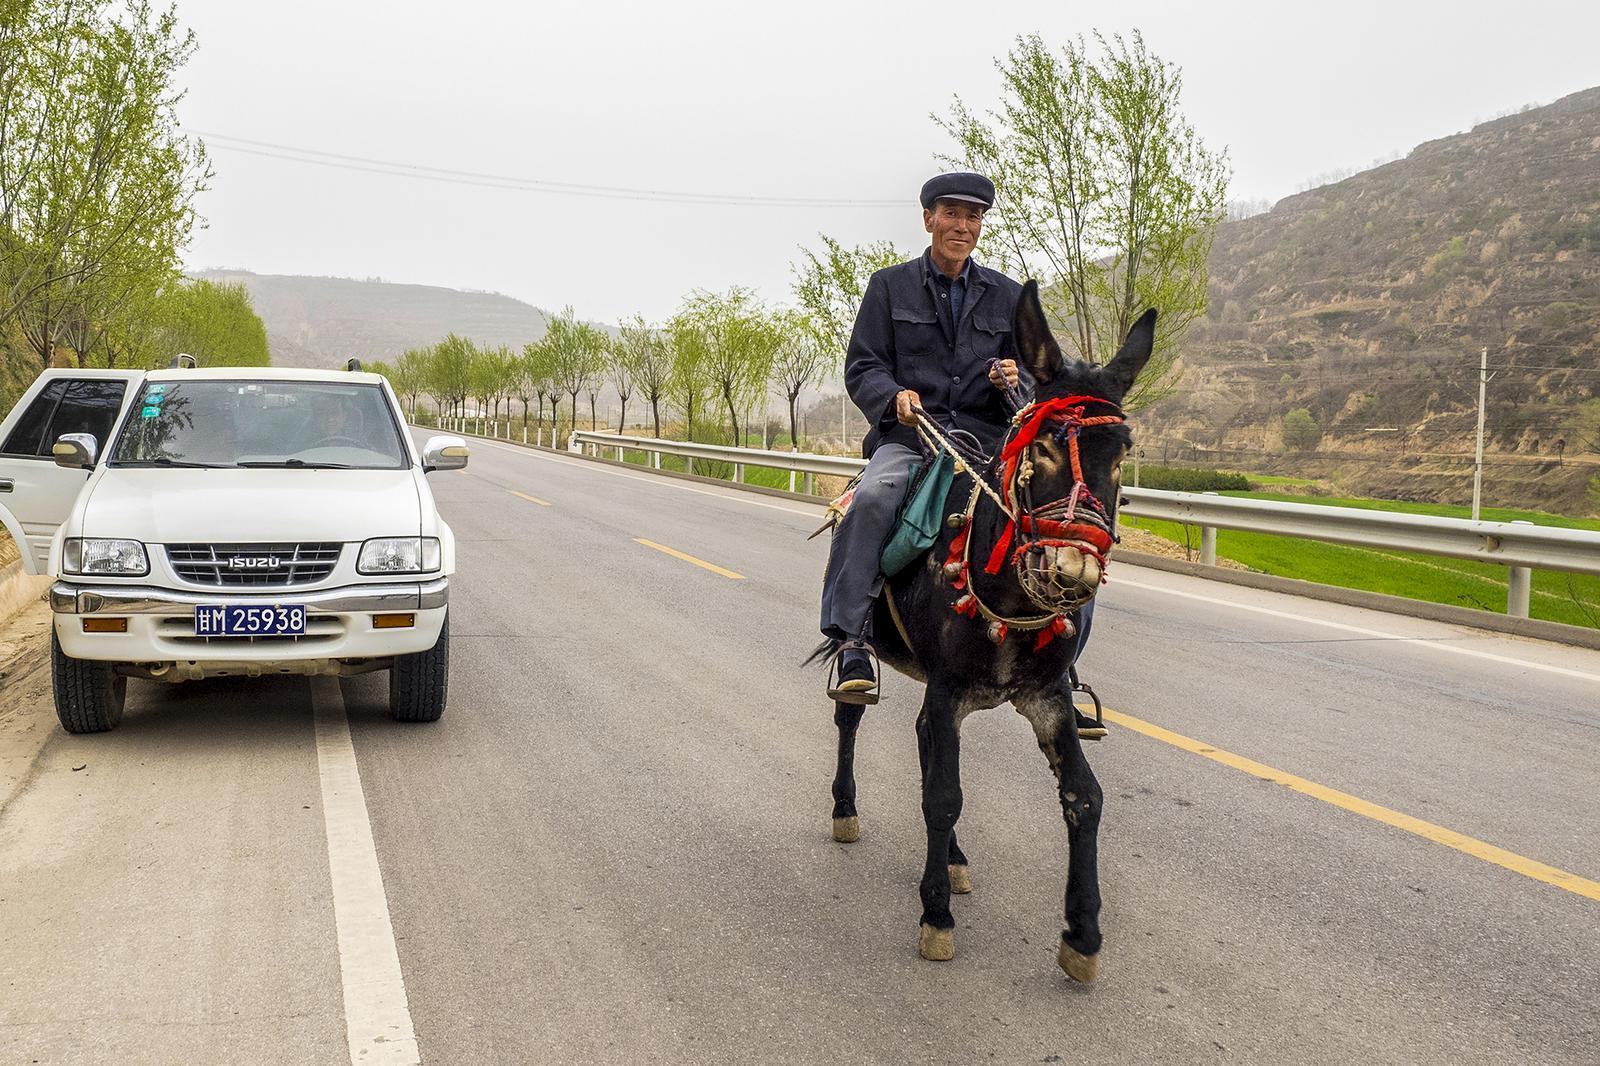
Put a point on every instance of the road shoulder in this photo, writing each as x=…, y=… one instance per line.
x=26, y=719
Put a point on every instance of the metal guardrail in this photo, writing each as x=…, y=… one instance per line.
x=1520, y=546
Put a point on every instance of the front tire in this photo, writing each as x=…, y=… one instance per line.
x=89, y=694
x=418, y=683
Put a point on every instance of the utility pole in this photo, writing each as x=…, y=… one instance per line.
x=1477, y=466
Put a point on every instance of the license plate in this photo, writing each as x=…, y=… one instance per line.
x=279, y=620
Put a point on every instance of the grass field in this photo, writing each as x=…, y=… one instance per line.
x=1556, y=596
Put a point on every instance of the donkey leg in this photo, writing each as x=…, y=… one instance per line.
x=846, y=825
x=1056, y=725
x=960, y=875
x=939, y=745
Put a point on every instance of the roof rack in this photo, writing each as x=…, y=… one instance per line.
x=352, y=364
x=184, y=361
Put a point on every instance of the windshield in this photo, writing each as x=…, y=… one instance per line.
x=260, y=423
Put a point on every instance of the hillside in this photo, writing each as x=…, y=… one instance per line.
x=1367, y=302
x=320, y=322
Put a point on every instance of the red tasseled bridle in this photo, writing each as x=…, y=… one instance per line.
x=1077, y=520
x=1068, y=411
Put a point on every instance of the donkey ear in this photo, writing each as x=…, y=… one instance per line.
x=1036, y=348
x=1120, y=373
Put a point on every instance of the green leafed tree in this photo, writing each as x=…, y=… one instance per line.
x=689, y=385
x=738, y=336
x=408, y=377
x=215, y=323
x=829, y=285
x=649, y=355
x=577, y=355
x=1105, y=192
x=97, y=179
x=450, y=372
x=1300, y=430
x=803, y=358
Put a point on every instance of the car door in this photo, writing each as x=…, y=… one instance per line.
x=36, y=495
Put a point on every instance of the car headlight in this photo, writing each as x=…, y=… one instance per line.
x=96, y=555
x=399, y=555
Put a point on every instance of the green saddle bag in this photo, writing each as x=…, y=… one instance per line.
x=921, y=515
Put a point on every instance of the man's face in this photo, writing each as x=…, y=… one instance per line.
x=955, y=225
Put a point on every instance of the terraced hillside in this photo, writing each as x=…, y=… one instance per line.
x=1367, y=302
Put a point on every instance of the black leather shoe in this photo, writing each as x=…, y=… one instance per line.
x=857, y=680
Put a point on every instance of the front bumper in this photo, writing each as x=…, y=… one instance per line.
x=160, y=626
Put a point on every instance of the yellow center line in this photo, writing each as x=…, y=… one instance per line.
x=1478, y=849
x=530, y=499
x=676, y=554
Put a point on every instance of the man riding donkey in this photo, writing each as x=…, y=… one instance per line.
x=933, y=337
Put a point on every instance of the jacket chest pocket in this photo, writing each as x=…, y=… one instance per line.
x=917, y=332
x=991, y=337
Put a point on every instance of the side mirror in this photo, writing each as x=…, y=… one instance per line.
x=76, y=451
x=444, y=453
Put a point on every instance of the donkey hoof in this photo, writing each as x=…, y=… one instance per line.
x=960, y=879
x=847, y=830
x=1080, y=967
x=936, y=945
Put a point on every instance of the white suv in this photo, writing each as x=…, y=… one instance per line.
x=241, y=521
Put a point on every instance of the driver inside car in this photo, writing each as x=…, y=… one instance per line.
x=333, y=418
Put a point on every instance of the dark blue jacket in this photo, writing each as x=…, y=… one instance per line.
x=901, y=341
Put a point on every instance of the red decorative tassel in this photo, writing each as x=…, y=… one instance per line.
x=1057, y=626
x=997, y=558
x=967, y=605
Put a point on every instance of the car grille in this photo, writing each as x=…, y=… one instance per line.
x=253, y=565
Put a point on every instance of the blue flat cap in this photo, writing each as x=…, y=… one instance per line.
x=958, y=185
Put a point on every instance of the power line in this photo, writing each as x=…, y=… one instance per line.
x=363, y=164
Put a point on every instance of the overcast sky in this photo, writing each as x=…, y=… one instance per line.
x=821, y=100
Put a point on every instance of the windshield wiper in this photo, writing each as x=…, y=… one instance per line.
x=296, y=463
x=164, y=461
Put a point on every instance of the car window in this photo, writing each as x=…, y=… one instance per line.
x=261, y=423
x=25, y=437
x=88, y=406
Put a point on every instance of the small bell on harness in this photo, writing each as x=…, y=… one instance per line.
x=955, y=521
x=997, y=632
x=953, y=569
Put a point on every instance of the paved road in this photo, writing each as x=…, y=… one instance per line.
x=615, y=846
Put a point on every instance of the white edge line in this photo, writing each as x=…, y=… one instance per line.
x=732, y=495
x=377, y=1018
x=1427, y=642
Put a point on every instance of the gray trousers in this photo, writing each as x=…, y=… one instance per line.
x=853, y=579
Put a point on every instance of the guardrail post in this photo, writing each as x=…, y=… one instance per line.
x=688, y=464
x=1208, y=541
x=655, y=459
x=1519, y=590
x=524, y=433
x=811, y=484
x=1519, y=586
x=792, y=451
x=738, y=473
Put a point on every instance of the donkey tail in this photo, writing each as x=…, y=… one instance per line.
x=823, y=652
